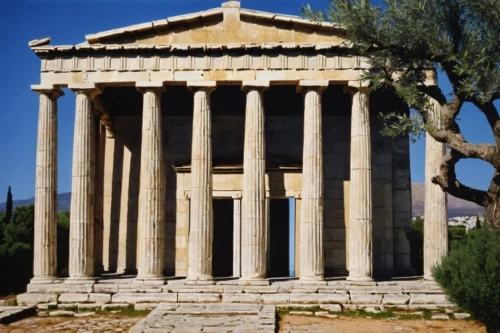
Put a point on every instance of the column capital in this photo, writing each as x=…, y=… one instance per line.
x=49, y=90
x=90, y=89
x=143, y=86
x=255, y=85
x=358, y=86
x=316, y=85
x=207, y=86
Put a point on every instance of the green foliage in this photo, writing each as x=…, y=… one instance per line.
x=400, y=124
x=416, y=238
x=62, y=243
x=456, y=234
x=8, y=206
x=470, y=275
x=16, y=250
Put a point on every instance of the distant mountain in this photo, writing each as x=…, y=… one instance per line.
x=63, y=202
x=456, y=207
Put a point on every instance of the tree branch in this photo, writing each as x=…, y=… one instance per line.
x=447, y=180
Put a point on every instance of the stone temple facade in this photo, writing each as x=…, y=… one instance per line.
x=229, y=143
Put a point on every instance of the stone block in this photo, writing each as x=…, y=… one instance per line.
x=241, y=298
x=198, y=298
x=366, y=298
x=61, y=313
x=107, y=288
x=396, y=299
x=428, y=299
x=397, y=307
x=132, y=298
x=145, y=306
x=296, y=298
x=281, y=298
x=461, y=315
x=332, y=307
x=440, y=317
x=88, y=306
x=114, y=306
x=73, y=298
x=59, y=288
x=99, y=298
x=67, y=306
x=260, y=290
x=35, y=298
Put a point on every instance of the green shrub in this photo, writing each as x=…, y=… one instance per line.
x=416, y=239
x=470, y=275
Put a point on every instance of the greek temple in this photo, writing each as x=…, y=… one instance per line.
x=225, y=145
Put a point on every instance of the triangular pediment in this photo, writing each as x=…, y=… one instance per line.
x=229, y=24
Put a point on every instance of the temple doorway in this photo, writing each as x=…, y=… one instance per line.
x=281, y=240
x=222, y=261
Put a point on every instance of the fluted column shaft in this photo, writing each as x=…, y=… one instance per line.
x=81, y=243
x=360, y=197
x=253, y=226
x=311, y=226
x=201, y=227
x=152, y=188
x=45, y=238
x=435, y=205
x=99, y=208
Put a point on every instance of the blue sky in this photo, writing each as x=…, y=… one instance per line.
x=67, y=22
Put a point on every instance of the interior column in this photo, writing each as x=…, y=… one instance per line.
x=201, y=227
x=253, y=232
x=45, y=228
x=151, y=228
x=360, y=196
x=311, y=226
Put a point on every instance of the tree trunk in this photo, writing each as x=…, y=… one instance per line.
x=492, y=210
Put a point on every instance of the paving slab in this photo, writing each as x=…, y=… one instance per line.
x=9, y=314
x=209, y=318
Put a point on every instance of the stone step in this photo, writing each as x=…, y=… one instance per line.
x=8, y=314
x=179, y=317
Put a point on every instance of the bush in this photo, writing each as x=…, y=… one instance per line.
x=470, y=275
x=416, y=240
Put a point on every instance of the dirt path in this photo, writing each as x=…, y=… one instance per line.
x=292, y=323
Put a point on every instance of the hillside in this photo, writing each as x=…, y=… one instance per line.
x=456, y=207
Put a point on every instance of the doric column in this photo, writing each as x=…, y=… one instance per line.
x=201, y=226
x=435, y=206
x=253, y=232
x=81, y=230
x=237, y=235
x=311, y=226
x=151, y=229
x=360, y=196
x=45, y=242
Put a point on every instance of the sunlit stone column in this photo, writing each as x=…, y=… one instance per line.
x=311, y=226
x=45, y=242
x=435, y=206
x=201, y=227
x=360, y=196
x=81, y=229
x=253, y=232
x=151, y=233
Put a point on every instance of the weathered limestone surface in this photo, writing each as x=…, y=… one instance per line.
x=237, y=237
x=81, y=246
x=45, y=242
x=209, y=318
x=435, y=209
x=311, y=226
x=360, y=208
x=201, y=216
x=253, y=233
x=152, y=186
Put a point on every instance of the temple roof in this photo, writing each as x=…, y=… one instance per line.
x=227, y=26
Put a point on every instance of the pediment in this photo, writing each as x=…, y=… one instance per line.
x=229, y=24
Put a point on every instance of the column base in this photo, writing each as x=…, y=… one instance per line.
x=253, y=282
x=360, y=279
x=149, y=280
x=80, y=280
x=44, y=280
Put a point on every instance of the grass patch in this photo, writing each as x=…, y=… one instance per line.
x=127, y=312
